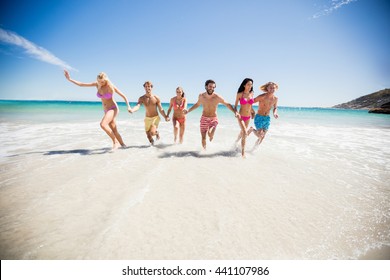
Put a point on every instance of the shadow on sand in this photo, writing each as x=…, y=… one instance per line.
x=100, y=151
x=81, y=152
x=197, y=154
x=85, y=152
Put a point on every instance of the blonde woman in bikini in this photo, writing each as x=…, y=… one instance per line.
x=245, y=98
x=267, y=101
x=178, y=104
x=105, y=92
x=152, y=103
x=209, y=120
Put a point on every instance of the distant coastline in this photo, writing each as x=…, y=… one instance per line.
x=377, y=102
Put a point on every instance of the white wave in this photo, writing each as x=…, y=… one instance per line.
x=309, y=192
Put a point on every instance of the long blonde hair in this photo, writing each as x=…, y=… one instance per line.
x=103, y=77
x=265, y=86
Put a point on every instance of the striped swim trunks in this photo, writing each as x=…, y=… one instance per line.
x=207, y=122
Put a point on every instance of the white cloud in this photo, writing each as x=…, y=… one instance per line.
x=33, y=50
x=334, y=5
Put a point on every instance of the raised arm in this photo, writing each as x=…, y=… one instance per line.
x=258, y=98
x=170, y=107
x=196, y=105
x=160, y=108
x=67, y=76
x=228, y=105
x=276, y=108
x=237, y=100
x=136, y=107
x=124, y=98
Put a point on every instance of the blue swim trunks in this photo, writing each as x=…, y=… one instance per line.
x=262, y=122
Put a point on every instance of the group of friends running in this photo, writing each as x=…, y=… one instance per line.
x=178, y=104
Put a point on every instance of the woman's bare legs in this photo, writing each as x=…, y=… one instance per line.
x=243, y=135
x=175, y=130
x=116, y=133
x=109, y=126
x=182, y=129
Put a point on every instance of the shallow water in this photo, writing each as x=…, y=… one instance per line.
x=317, y=188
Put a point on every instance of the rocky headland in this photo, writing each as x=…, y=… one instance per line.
x=377, y=102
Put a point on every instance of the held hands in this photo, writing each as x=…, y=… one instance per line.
x=185, y=111
x=130, y=110
x=167, y=118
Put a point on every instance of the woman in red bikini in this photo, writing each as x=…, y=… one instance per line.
x=178, y=103
x=105, y=91
x=245, y=98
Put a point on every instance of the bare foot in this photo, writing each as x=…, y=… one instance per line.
x=211, y=136
x=115, y=146
x=258, y=142
x=204, y=144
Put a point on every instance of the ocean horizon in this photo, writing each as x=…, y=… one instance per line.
x=316, y=188
x=132, y=103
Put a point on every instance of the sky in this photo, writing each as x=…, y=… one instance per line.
x=320, y=52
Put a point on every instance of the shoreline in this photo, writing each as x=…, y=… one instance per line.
x=65, y=197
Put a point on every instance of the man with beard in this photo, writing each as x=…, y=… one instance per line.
x=209, y=120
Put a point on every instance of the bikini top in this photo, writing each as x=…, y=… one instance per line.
x=176, y=106
x=244, y=101
x=107, y=95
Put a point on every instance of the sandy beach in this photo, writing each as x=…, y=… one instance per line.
x=309, y=192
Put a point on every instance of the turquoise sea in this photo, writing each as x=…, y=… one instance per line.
x=53, y=111
x=317, y=188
